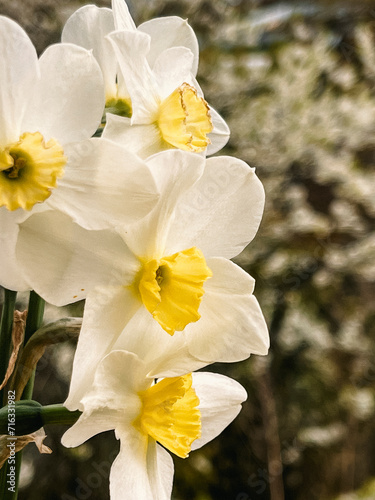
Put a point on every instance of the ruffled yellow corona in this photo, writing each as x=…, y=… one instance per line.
x=29, y=170
x=184, y=120
x=170, y=414
x=171, y=288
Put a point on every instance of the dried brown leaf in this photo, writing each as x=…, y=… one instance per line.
x=53, y=333
x=18, y=334
x=17, y=443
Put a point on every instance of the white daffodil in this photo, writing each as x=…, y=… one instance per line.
x=166, y=278
x=45, y=105
x=168, y=108
x=154, y=102
x=89, y=25
x=181, y=413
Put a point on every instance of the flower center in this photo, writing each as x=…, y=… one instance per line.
x=29, y=170
x=184, y=120
x=170, y=414
x=117, y=106
x=171, y=288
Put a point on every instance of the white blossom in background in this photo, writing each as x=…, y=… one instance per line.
x=166, y=279
x=49, y=108
x=181, y=413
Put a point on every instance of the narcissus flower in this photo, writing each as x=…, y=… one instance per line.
x=166, y=278
x=181, y=413
x=45, y=105
x=88, y=27
x=154, y=102
x=168, y=108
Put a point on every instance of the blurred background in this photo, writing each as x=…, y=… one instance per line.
x=295, y=82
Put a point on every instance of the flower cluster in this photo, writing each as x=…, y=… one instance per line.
x=107, y=195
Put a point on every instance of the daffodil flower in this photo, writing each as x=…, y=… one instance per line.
x=89, y=25
x=153, y=102
x=49, y=108
x=167, y=279
x=168, y=107
x=181, y=413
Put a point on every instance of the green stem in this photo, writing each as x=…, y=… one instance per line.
x=35, y=315
x=6, y=332
x=33, y=323
x=6, y=327
x=31, y=416
x=58, y=414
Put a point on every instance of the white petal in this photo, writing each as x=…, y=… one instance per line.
x=131, y=48
x=160, y=471
x=113, y=400
x=167, y=32
x=142, y=140
x=172, y=68
x=174, y=172
x=104, y=185
x=18, y=74
x=121, y=15
x=122, y=375
x=87, y=28
x=129, y=475
x=52, y=249
x=87, y=426
x=164, y=355
x=220, y=134
x=220, y=401
x=122, y=90
x=11, y=276
x=69, y=99
x=232, y=325
x=228, y=278
x=107, y=311
x=142, y=470
x=175, y=363
x=222, y=212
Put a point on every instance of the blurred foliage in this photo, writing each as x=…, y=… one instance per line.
x=296, y=83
